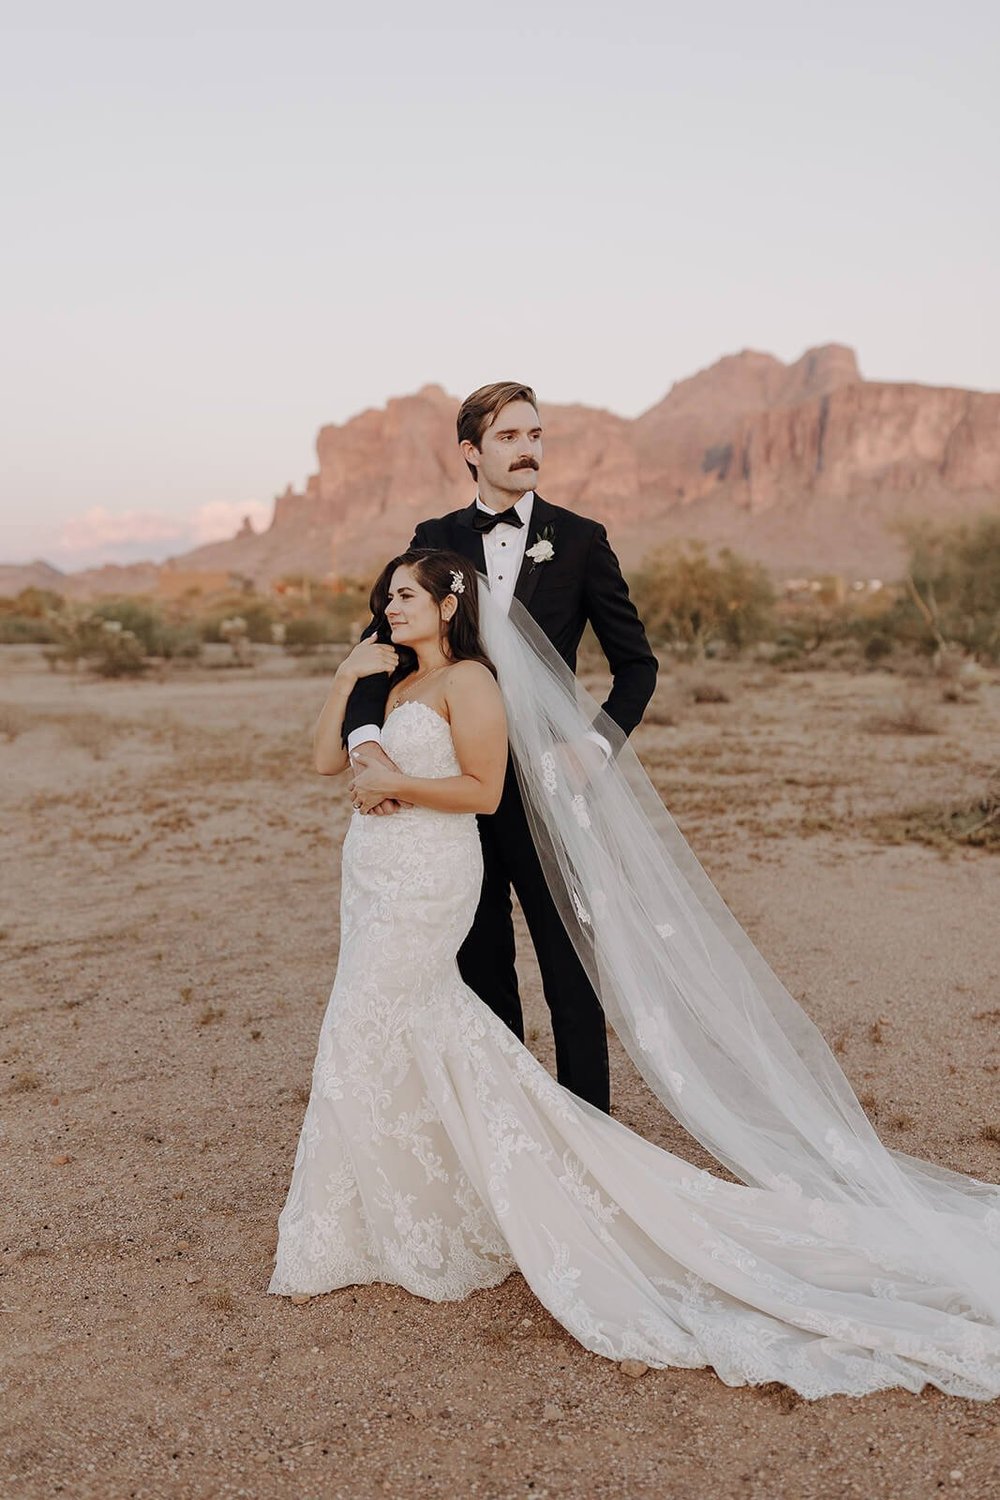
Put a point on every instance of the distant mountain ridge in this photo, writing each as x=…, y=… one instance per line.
x=805, y=466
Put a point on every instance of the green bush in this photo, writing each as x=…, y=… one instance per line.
x=119, y=652
x=24, y=618
x=688, y=599
x=22, y=630
x=141, y=619
x=953, y=588
x=307, y=633
x=259, y=614
x=84, y=635
x=180, y=643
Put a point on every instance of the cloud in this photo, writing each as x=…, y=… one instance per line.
x=99, y=528
x=99, y=535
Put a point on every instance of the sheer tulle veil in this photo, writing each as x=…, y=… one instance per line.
x=708, y=1024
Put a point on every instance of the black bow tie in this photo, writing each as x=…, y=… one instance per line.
x=483, y=521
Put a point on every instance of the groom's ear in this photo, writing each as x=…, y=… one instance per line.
x=470, y=452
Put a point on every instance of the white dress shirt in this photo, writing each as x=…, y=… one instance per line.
x=503, y=549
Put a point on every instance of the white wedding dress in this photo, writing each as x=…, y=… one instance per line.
x=437, y=1154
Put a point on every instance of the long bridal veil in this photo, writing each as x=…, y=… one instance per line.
x=708, y=1024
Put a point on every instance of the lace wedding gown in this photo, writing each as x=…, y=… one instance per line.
x=437, y=1154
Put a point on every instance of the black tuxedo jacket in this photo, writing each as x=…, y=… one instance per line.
x=582, y=581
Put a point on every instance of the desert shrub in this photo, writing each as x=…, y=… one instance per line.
x=975, y=822
x=909, y=717
x=307, y=632
x=117, y=637
x=878, y=646
x=24, y=618
x=137, y=618
x=688, y=599
x=32, y=603
x=119, y=653
x=808, y=627
x=708, y=692
x=105, y=644
x=235, y=632
x=339, y=608
x=22, y=630
x=953, y=588
x=180, y=642
x=258, y=614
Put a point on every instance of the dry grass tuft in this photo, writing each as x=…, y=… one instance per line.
x=211, y=1013
x=876, y=1031
x=25, y=1081
x=14, y=720
x=910, y=717
x=218, y=1298
x=942, y=825
x=708, y=692
x=990, y=1133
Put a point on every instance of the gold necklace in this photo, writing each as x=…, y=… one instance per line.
x=401, y=697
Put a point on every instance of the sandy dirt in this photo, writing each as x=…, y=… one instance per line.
x=168, y=941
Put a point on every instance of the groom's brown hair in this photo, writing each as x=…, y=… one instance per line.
x=478, y=410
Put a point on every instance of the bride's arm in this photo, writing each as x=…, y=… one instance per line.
x=479, y=730
x=368, y=658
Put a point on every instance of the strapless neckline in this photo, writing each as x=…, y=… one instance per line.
x=416, y=703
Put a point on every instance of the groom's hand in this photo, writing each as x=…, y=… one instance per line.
x=580, y=762
x=366, y=756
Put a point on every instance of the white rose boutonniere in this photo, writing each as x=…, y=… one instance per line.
x=542, y=550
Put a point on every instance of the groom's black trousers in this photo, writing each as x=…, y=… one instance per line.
x=486, y=958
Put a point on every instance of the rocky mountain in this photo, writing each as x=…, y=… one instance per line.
x=89, y=583
x=807, y=467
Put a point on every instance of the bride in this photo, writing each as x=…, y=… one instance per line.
x=439, y=1155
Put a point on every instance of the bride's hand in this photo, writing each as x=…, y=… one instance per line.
x=373, y=784
x=368, y=658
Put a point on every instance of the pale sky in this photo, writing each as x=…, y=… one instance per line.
x=229, y=223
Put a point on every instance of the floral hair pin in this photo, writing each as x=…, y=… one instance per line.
x=457, y=583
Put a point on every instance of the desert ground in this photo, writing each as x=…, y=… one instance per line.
x=168, y=940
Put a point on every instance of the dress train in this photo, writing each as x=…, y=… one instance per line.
x=439, y=1155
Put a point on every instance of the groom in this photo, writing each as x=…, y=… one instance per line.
x=562, y=569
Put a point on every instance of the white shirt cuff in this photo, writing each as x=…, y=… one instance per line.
x=600, y=740
x=364, y=735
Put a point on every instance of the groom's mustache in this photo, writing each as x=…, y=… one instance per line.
x=527, y=463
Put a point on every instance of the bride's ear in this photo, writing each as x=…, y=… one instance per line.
x=449, y=604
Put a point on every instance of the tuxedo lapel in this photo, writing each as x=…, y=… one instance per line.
x=531, y=572
x=467, y=539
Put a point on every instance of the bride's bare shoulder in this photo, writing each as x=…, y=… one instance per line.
x=470, y=680
x=470, y=676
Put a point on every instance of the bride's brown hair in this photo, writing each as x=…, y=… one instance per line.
x=436, y=572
